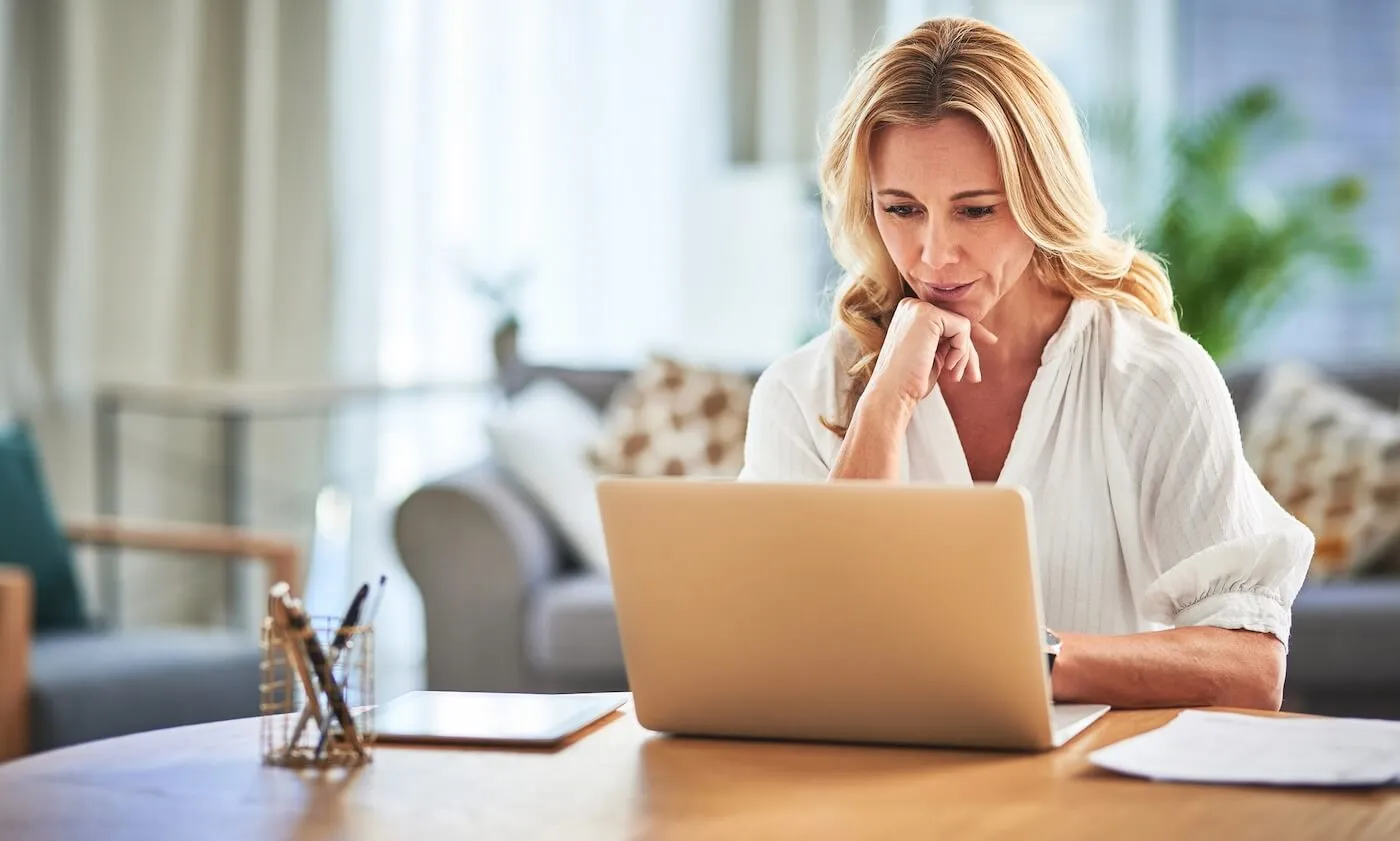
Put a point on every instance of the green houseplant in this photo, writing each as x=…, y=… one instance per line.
x=1233, y=256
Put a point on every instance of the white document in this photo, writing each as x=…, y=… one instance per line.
x=1199, y=746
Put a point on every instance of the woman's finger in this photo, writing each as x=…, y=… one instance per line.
x=958, y=365
x=961, y=334
x=956, y=334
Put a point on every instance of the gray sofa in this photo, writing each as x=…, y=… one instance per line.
x=509, y=609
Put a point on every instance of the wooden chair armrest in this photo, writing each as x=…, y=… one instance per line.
x=281, y=555
x=16, y=606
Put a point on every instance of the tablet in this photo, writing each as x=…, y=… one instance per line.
x=490, y=718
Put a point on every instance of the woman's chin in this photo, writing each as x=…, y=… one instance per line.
x=973, y=308
x=969, y=301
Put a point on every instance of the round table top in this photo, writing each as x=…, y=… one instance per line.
x=617, y=780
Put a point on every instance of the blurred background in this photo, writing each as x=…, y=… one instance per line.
x=282, y=265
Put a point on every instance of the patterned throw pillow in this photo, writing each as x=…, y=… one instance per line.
x=1332, y=458
x=673, y=419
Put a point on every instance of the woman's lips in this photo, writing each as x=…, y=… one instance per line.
x=949, y=293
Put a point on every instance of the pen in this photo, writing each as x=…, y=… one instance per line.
x=342, y=642
x=296, y=653
x=378, y=597
x=338, y=645
x=322, y=668
x=342, y=636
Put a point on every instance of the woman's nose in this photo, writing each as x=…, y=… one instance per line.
x=939, y=246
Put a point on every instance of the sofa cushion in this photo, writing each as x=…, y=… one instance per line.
x=541, y=438
x=676, y=419
x=86, y=686
x=1332, y=458
x=571, y=629
x=30, y=534
x=1345, y=637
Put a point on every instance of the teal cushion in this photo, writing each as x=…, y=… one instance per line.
x=30, y=535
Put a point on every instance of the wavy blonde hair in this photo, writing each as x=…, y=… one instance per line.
x=959, y=65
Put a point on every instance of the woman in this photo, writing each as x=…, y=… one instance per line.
x=990, y=330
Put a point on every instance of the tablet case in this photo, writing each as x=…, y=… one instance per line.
x=491, y=718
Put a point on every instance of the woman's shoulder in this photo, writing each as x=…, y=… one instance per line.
x=1143, y=350
x=1156, y=368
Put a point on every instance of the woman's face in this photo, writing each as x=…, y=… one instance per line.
x=942, y=213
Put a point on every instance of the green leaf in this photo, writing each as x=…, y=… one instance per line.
x=1233, y=257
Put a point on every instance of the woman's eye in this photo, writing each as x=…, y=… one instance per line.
x=978, y=212
x=903, y=211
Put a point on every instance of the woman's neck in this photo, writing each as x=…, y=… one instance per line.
x=1023, y=321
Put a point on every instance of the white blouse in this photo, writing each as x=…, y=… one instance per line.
x=1146, y=513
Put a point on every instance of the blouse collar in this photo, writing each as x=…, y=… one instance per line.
x=1077, y=320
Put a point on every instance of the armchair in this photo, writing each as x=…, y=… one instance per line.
x=63, y=687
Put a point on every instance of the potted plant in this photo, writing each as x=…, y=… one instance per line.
x=503, y=292
x=1232, y=257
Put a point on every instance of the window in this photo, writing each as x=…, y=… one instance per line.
x=1337, y=64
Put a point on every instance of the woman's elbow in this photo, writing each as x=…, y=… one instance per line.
x=1264, y=693
x=1260, y=685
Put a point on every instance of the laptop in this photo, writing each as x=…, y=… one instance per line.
x=850, y=611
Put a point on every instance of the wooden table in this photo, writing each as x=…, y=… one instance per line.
x=618, y=781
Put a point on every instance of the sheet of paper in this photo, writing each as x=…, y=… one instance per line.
x=1200, y=746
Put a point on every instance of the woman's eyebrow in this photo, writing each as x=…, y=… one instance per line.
x=965, y=194
x=972, y=194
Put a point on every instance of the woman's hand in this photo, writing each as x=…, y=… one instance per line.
x=922, y=343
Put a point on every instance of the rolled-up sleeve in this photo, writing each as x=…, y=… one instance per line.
x=1222, y=551
x=778, y=444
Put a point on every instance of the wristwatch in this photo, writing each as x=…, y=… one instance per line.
x=1052, y=648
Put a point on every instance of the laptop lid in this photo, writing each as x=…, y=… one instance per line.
x=844, y=611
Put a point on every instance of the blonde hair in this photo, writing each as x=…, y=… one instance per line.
x=960, y=65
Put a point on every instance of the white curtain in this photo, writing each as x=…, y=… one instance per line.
x=560, y=143
x=582, y=146
x=403, y=309
x=165, y=219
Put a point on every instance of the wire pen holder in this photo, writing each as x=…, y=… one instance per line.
x=316, y=690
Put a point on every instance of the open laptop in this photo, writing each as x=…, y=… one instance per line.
x=850, y=611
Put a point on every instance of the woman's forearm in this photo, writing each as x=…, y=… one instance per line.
x=1181, y=667
x=874, y=440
